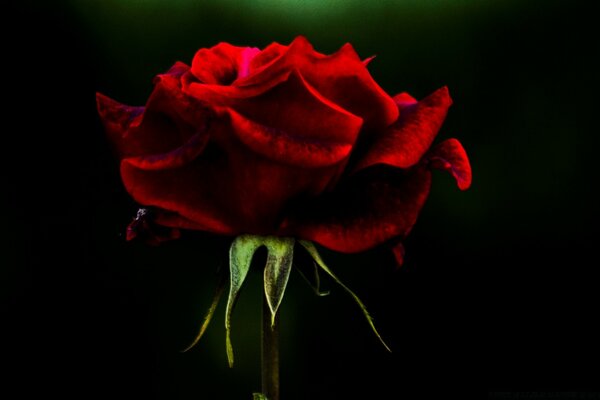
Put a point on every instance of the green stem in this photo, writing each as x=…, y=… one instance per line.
x=270, y=353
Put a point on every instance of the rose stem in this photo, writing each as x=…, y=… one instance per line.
x=270, y=353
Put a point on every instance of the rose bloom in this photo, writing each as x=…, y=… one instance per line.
x=282, y=141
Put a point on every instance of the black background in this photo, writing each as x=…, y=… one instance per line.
x=499, y=291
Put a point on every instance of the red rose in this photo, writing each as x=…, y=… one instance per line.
x=283, y=141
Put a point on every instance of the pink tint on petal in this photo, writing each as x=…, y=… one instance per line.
x=245, y=59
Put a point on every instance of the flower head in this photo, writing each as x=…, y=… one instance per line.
x=283, y=141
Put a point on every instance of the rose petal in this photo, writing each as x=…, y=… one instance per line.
x=268, y=55
x=404, y=100
x=222, y=64
x=171, y=191
x=341, y=77
x=282, y=147
x=452, y=157
x=404, y=143
x=366, y=211
x=293, y=124
x=168, y=121
x=174, y=220
x=174, y=158
x=117, y=119
x=228, y=189
x=169, y=98
x=224, y=96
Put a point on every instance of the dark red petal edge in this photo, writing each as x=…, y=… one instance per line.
x=117, y=118
x=174, y=158
x=450, y=156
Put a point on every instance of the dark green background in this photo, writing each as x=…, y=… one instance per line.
x=499, y=291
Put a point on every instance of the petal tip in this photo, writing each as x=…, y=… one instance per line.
x=301, y=41
x=399, y=253
x=104, y=103
x=368, y=60
x=443, y=94
x=450, y=155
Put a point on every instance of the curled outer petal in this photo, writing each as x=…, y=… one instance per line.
x=183, y=204
x=450, y=156
x=364, y=212
x=381, y=201
x=376, y=205
x=168, y=121
x=403, y=144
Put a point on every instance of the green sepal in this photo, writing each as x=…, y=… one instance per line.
x=277, y=271
x=312, y=250
x=240, y=257
x=280, y=253
x=259, y=396
x=315, y=282
x=211, y=311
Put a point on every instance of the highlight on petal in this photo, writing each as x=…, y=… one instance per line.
x=365, y=211
x=404, y=100
x=293, y=124
x=404, y=143
x=222, y=64
x=450, y=156
x=244, y=61
x=224, y=96
x=267, y=56
x=277, y=60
